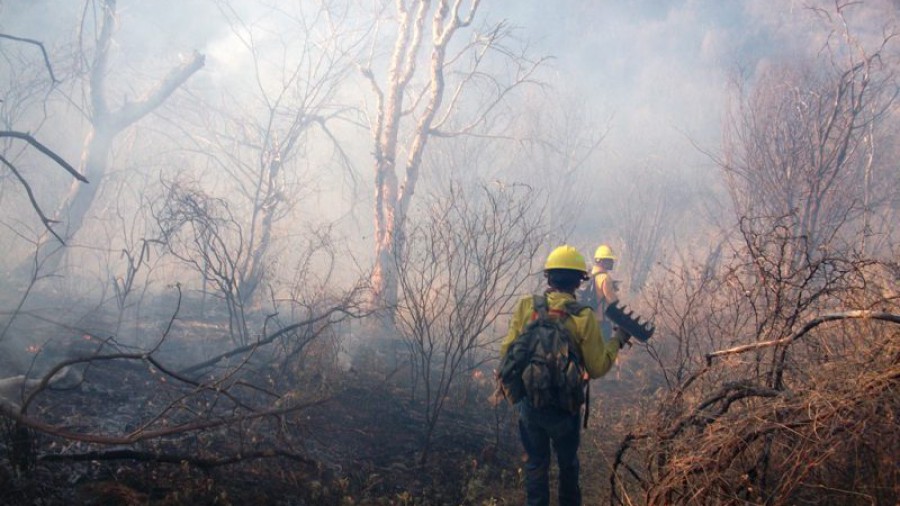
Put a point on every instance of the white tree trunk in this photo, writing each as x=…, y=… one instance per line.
x=105, y=125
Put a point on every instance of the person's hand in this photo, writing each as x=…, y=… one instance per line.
x=621, y=336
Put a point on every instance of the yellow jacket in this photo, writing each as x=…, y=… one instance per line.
x=604, y=286
x=599, y=354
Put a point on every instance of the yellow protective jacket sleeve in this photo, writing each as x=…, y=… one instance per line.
x=605, y=288
x=599, y=354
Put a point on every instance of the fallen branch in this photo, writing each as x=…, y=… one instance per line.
x=146, y=355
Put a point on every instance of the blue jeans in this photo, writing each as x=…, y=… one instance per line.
x=538, y=429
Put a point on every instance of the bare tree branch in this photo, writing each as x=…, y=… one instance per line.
x=856, y=314
x=34, y=204
x=45, y=150
x=47, y=222
x=131, y=112
x=43, y=52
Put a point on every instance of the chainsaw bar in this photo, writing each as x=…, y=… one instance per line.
x=642, y=331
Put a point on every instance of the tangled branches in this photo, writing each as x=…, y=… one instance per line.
x=831, y=433
x=238, y=404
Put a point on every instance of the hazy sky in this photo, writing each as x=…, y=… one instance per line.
x=658, y=65
x=661, y=65
x=655, y=70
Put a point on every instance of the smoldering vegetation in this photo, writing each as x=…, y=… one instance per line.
x=264, y=253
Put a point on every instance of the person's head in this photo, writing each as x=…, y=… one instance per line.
x=604, y=257
x=565, y=269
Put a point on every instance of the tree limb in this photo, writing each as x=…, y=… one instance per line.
x=46, y=151
x=856, y=314
x=34, y=204
x=43, y=52
x=133, y=111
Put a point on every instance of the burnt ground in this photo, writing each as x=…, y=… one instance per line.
x=362, y=445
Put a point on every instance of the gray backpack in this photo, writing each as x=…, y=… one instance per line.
x=543, y=364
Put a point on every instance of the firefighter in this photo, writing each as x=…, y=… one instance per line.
x=541, y=428
x=605, y=289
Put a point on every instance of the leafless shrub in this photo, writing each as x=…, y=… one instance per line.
x=309, y=291
x=131, y=274
x=200, y=231
x=461, y=266
x=779, y=354
x=802, y=142
x=262, y=139
x=785, y=419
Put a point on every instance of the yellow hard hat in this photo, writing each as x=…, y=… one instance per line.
x=565, y=257
x=604, y=252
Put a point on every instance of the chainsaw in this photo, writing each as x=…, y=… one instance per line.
x=625, y=320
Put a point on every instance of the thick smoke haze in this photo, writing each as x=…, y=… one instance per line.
x=266, y=251
x=656, y=70
x=649, y=80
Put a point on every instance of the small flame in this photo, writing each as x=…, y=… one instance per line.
x=33, y=348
